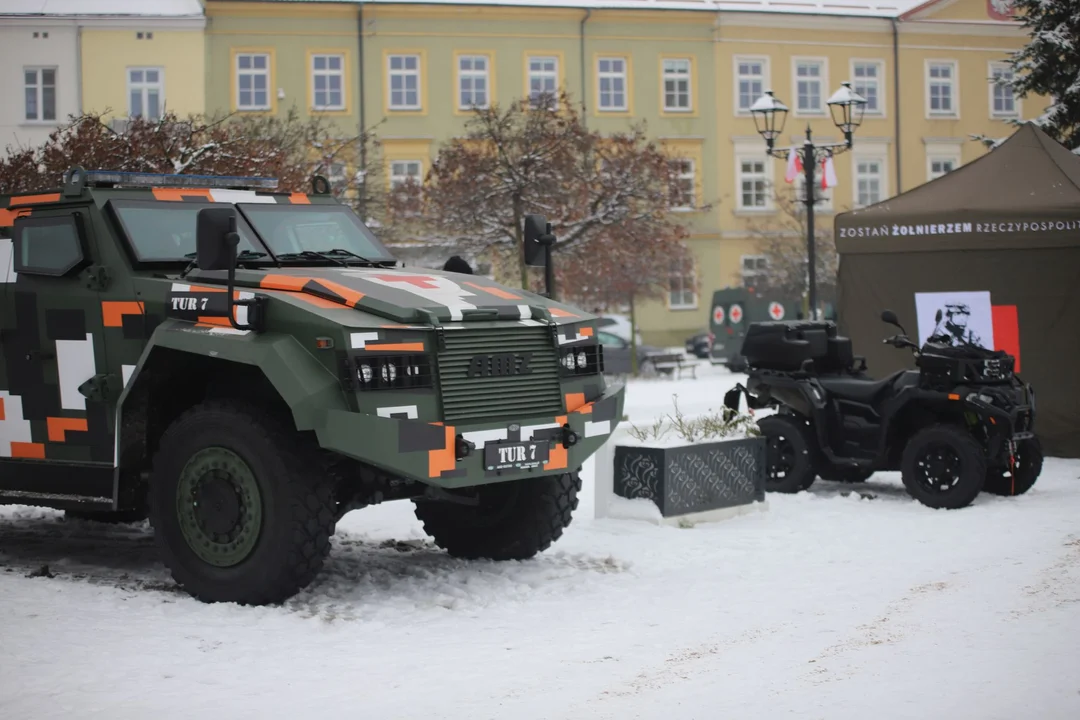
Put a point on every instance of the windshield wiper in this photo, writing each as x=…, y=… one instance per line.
x=242, y=255
x=309, y=254
x=350, y=253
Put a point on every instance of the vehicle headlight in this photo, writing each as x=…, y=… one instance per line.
x=979, y=397
x=389, y=373
x=365, y=373
x=568, y=361
x=582, y=361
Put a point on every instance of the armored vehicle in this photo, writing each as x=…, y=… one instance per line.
x=243, y=367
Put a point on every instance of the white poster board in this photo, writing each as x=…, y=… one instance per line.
x=965, y=316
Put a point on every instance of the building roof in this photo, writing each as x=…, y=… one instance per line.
x=101, y=8
x=863, y=8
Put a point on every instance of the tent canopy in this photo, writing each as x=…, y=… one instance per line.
x=1025, y=193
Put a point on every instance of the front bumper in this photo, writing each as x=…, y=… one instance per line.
x=426, y=452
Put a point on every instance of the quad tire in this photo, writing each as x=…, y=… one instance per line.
x=508, y=521
x=943, y=466
x=789, y=465
x=1029, y=462
x=240, y=509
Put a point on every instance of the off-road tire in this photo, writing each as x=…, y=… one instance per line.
x=832, y=473
x=1029, y=464
x=515, y=520
x=110, y=517
x=971, y=473
x=295, y=496
x=788, y=441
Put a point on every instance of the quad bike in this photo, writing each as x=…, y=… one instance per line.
x=959, y=424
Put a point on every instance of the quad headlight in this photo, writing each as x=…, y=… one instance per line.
x=393, y=372
x=588, y=360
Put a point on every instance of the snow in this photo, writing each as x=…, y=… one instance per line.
x=840, y=602
x=153, y=8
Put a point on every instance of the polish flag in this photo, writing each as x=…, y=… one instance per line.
x=794, y=167
x=828, y=174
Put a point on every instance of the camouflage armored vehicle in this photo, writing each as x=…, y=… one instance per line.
x=244, y=367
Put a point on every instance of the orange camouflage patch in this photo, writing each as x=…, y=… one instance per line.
x=8, y=217
x=29, y=451
x=556, y=312
x=113, y=311
x=574, y=401
x=178, y=194
x=299, y=199
x=402, y=347
x=284, y=282
x=558, y=458
x=2, y=415
x=497, y=292
x=586, y=332
x=34, y=199
x=58, y=427
x=441, y=460
x=350, y=296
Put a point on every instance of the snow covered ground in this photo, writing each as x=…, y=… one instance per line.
x=829, y=605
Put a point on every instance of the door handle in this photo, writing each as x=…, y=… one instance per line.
x=39, y=355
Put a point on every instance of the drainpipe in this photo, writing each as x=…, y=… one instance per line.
x=584, y=63
x=896, y=100
x=360, y=102
x=78, y=71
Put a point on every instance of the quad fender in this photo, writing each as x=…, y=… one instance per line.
x=305, y=385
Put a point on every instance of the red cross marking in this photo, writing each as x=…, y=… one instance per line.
x=718, y=315
x=735, y=313
x=425, y=282
x=776, y=310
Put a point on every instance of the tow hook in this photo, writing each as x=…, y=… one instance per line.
x=569, y=437
x=463, y=448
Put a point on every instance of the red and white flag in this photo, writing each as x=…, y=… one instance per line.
x=828, y=174
x=794, y=167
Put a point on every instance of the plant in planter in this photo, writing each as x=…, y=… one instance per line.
x=693, y=465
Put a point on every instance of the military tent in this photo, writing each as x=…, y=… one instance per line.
x=996, y=241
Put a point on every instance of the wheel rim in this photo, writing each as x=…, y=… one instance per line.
x=939, y=468
x=781, y=457
x=219, y=507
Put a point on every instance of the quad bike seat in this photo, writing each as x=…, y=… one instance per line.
x=857, y=389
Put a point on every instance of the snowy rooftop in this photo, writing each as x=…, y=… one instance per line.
x=103, y=8
x=875, y=8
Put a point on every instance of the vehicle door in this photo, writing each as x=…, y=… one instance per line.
x=53, y=352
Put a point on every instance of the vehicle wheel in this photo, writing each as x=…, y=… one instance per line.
x=111, y=517
x=943, y=467
x=239, y=513
x=1029, y=462
x=830, y=472
x=789, y=467
x=511, y=521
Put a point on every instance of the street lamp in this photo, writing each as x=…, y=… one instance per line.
x=847, y=108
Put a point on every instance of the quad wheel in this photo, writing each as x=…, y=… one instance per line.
x=789, y=465
x=943, y=466
x=1017, y=481
x=512, y=520
x=241, y=512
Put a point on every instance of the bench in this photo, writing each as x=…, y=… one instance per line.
x=674, y=363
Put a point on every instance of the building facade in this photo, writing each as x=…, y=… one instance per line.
x=58, y=59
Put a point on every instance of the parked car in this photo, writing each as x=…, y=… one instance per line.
x=618, y=325
x=617, y=353
x=700, y=344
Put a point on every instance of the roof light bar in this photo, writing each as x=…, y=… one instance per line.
x=109, y=178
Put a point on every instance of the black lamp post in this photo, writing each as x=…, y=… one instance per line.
x=847, y=108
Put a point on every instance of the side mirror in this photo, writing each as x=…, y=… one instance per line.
x=216, y=239
x=937, y=316
x=889, y=316
x=537, y=237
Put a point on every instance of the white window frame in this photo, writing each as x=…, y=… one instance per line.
x=690, y=271
x=614, y=77
x=882, y=177
x=765, y=73
x=253, y=72
x=682, y=176
x=144, y=87
x=942, y=150
x=823, y=85
x=954, y=90
x=931, y=174
x=879, y=82
x=39, y=89
x=756, y=272
x=993, y=67
x=678, y=78
x=474, y=76
x=401, y=177
x=405, y=73
x=543, y=75
x=767, y=176
x=327, y=72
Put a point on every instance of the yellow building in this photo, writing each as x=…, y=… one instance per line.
x=689, y=68
x=147, y=64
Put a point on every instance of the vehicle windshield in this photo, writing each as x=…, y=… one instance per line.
x=165, y=232
x=296, y=229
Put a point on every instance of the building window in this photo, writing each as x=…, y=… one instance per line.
x=1003, y=102
x=543, y=80
x=869, y=180
x=40, y=93
x=612, y=80
x=754, y=269
x=866, y=78
x=941, y=88
x=474, y=81
x=404, y=81
x=749, y=82
x=328, y=82
x=809, y=78
x=753, y=184
x=684, y=184
x=677, y=85
x=403, y=171
x=146, y=88
x=252, y=81
x=941, y=166
x=682, y=285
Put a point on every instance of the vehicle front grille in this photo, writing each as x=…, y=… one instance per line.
x=489, y=395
